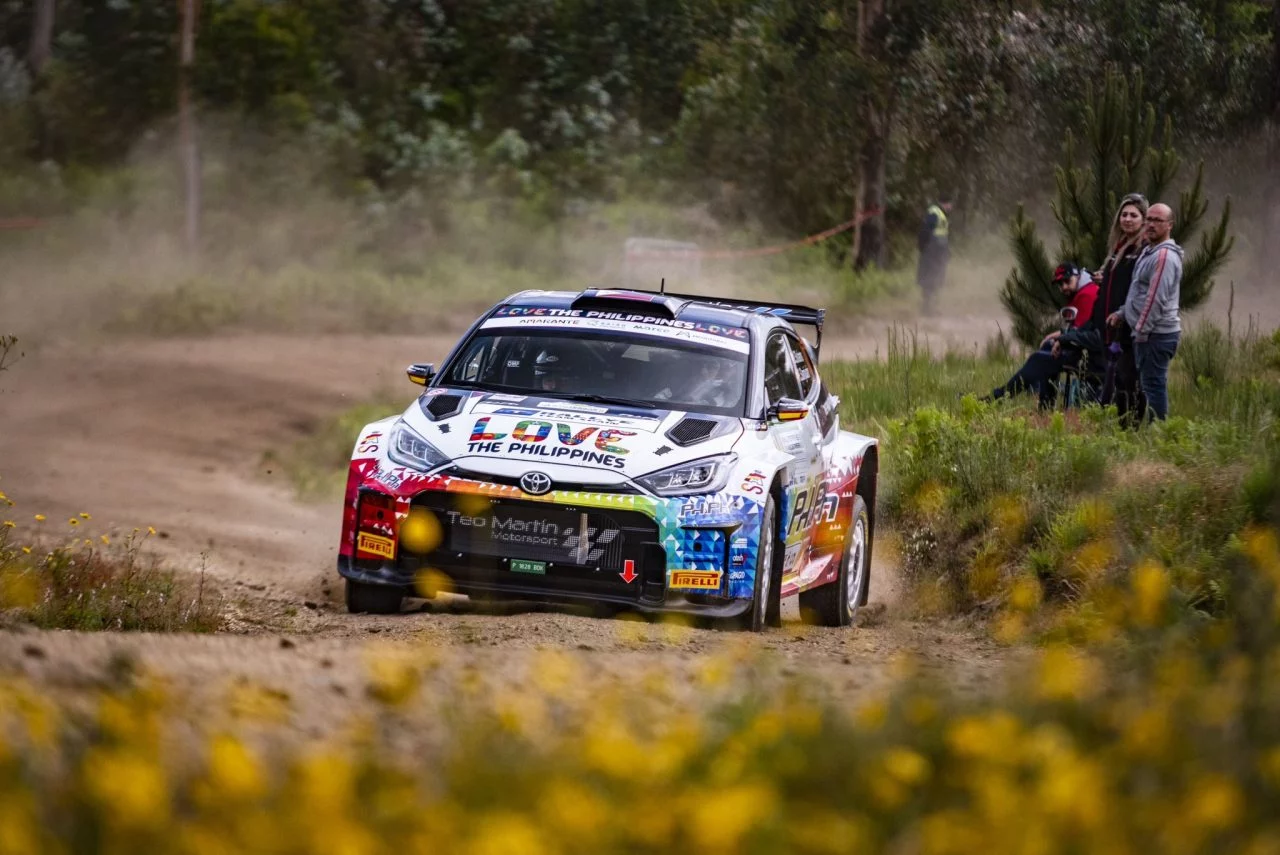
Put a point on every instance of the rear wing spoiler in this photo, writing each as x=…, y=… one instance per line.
x=789, y=312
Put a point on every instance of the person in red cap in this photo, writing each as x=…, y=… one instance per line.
x=1040, y=370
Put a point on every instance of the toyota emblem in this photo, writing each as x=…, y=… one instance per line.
x=535, y=483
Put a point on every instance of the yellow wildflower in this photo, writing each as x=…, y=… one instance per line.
x=503, y=833
x=85, y=516
x=720, y=819
x=1026, y=594
x=40, y=517
x=73, y=521
x=393, y=679
x=106, y=541
x=1063, y=675
x=151, y=530
x=574, y=809
x=906, y=765
x=132, y=791
x=1215, y=802
x=26, y=550
x=234, y=771
x=1150, y=591
x=10, y=524
x=993, y=736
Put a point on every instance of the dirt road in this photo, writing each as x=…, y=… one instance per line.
x=173, y=433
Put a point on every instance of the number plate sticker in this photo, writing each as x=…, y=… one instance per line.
x=520, y=566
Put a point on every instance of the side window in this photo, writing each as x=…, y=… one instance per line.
x=468, y=370
x=804, y=368
x=779, y=377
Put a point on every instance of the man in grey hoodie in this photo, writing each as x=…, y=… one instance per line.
x=1151, y=309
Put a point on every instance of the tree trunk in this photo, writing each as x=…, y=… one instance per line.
x=1275, y=61
x=187, y=132
x=869, y=192
x=42, y=17
x=1271, y=239
x=871, y=237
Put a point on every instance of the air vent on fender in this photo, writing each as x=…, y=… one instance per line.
x=439, y=407
x=691, y=431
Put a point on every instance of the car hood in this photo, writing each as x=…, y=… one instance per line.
x=485, y=433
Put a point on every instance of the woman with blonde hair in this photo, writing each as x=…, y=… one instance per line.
x=1111, y=348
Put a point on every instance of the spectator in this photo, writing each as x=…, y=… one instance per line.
x=935, y=252
x=1042, y=368
x=1109, y=350
x=1151, y=308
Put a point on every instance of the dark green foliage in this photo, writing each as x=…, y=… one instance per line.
x=766, y=109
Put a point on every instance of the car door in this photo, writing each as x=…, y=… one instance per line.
x=800, y=441
x=825, y=532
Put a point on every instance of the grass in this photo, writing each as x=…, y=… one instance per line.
x=317, y=464
x=96, y=583
x=1038, y=521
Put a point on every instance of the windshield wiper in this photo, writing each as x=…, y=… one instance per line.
x=602, y=399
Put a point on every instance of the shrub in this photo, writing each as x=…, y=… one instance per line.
x=92, y=583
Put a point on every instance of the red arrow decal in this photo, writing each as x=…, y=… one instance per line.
x=629, y=573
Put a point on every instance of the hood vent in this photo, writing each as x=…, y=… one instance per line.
x=441, y=406
x=691, y=431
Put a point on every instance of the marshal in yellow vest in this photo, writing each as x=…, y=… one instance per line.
x=940, y=227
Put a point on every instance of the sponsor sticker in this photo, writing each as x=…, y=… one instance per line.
x=694, y=580
x=714, y=335
x=376, y=545
x=572, y=405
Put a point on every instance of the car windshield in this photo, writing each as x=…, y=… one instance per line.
x=607, y=367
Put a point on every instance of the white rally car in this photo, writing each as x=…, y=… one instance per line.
x=652, y=451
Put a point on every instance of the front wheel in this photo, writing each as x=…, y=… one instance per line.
x=373, y=599
x=766, y=608
x=836, y=603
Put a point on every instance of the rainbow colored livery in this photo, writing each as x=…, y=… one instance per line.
x=648, y=451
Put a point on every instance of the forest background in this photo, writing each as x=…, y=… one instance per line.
x=430, y=138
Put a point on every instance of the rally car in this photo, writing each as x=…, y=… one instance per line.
x=644, y=450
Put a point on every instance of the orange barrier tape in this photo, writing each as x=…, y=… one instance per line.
x=759, y=251
x=20, y=223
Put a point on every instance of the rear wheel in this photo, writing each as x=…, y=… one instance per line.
x=836, y=603
x=373, y=599
x=766, y=609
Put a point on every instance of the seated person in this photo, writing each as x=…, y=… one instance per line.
x=555, y=370
x=707, y=386
x=1042, y=367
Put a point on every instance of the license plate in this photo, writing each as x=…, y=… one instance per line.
x=519, y=566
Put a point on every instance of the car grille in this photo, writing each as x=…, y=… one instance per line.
x=560, y=535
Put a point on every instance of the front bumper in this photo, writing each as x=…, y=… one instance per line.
x=635, y=548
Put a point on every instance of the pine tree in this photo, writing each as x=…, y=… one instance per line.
x=1119, y=157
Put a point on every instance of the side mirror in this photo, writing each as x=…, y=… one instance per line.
x=421, y=373
x=788, y=410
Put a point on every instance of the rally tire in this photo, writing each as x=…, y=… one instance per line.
x=836, y=603
x=364, y=598
x=766, y=606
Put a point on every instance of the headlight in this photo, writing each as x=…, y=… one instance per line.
x=409, y=449
x=701, y=476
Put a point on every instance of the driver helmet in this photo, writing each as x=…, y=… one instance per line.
x=553, y=369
